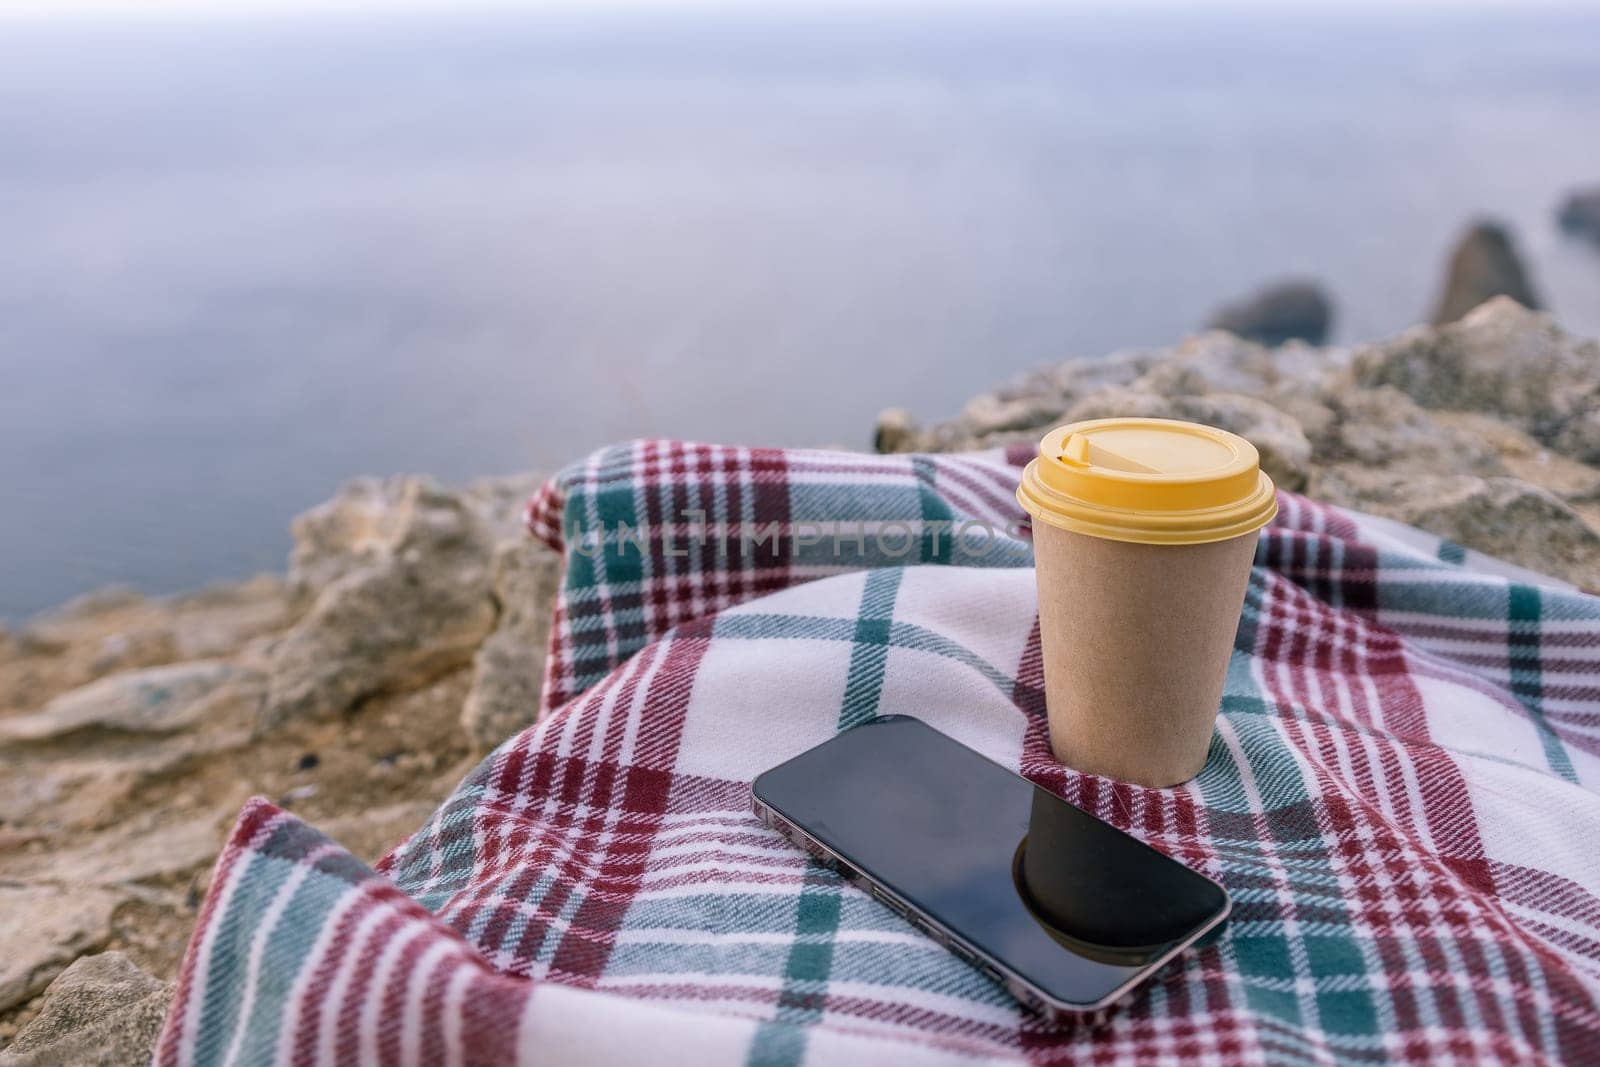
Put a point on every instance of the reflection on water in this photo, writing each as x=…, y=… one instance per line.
x=247, y=261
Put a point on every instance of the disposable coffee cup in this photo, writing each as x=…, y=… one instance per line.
x=1143, y=532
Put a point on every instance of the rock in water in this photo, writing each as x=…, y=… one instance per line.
x=102, y=1010
x=1580, y=214
x=1285, y=311
x=1484, y=264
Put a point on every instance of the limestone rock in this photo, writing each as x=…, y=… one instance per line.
x=90, y=637
x=1503, y=517
x=153, y=701
x=362, y=523
x=508, y=669
x=987, y=413
x=101, y=1010
x=1210, y=362
x=84, y=780
x=121, y=855
x=1315, y=416
x=1218, y=362
x=500, y=503
x=1285, y=452
x=95, y=603
x=1077, y=378
x=113, y=629
x=407, y=597
x=107, y=634
x=1383, y=427
x=62, y=792
x=131, y=649
x=222, y=619
x=358, y=527
x=1521, y=455
x=1483, y=265
x=896, y=431
x=44, y=929
x=1284, y=311
x=1580, y=214
x=1502, y=359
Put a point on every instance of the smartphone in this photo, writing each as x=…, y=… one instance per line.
x=1065, y=911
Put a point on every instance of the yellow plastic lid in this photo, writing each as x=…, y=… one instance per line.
x=1150, y=481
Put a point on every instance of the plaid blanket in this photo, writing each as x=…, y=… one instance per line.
x=1400, y=796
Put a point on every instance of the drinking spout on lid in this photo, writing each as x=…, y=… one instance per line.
x=1081, y=451
x=1075, y=450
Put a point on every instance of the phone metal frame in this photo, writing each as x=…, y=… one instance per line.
x=1029, y=994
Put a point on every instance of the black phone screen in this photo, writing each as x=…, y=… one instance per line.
x=1075, y=907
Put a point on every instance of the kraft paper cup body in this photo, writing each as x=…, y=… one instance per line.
x=1139, y=601
x=1136, y=641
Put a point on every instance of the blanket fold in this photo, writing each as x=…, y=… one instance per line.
x=1402, y=796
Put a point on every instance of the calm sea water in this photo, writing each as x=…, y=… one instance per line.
x=244, y=261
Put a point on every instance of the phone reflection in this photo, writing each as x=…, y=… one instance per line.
x=1103, y=904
